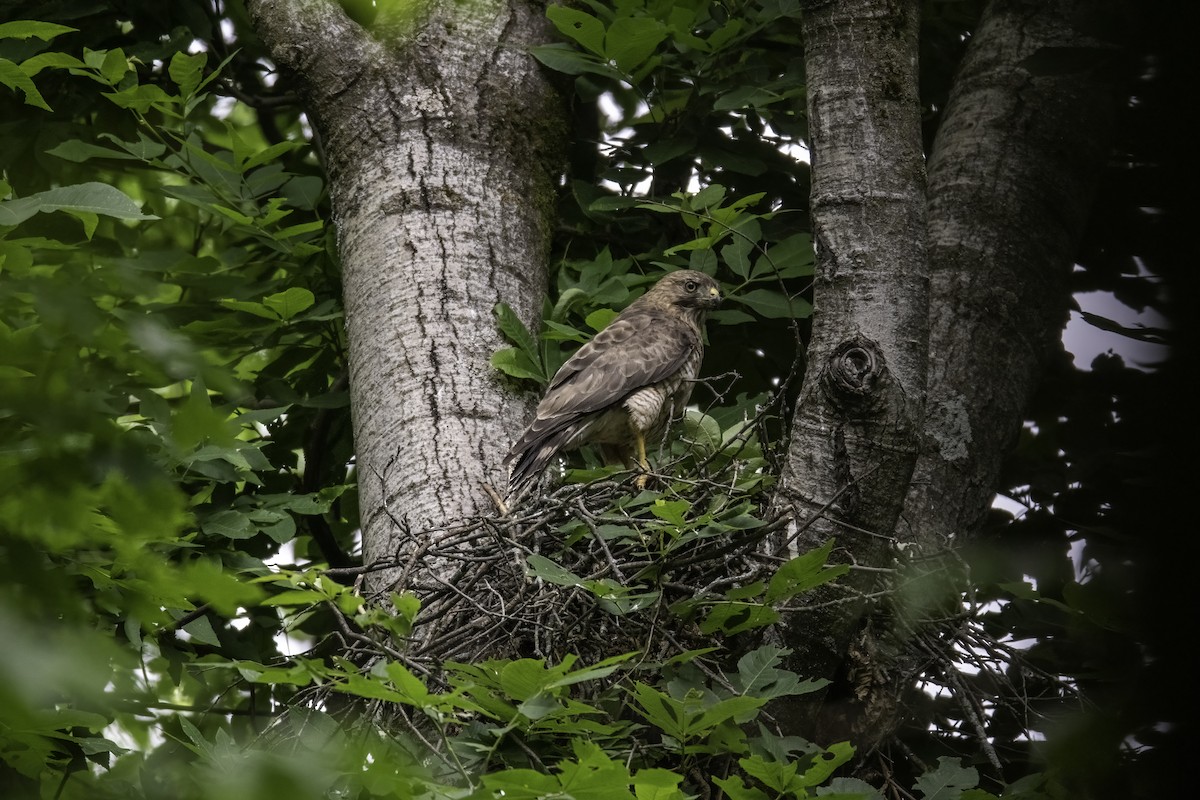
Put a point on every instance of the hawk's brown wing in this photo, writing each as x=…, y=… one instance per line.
x=636, y=350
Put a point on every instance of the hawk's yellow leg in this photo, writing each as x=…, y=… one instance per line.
x=640, y=483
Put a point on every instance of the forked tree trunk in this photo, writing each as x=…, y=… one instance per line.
x=443, y=142
x=1010, y=181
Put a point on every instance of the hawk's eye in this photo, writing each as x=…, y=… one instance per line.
x=690, y=286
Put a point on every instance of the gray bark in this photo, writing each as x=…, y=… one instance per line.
x=855, y=433
x=1009, y=184
x=442, y=142
x=1011, y=179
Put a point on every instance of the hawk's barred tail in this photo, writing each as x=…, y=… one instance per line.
x=530, y=458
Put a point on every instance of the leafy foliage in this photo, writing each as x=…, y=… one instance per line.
x=166, y=365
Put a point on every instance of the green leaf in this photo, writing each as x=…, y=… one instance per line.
x=803, y=573
x=251, y=307
x=948, y=780
x=14, y=78
x=524, y=678
x=631, y=40
x=187, y=70
x=558, y=332
x=26, y=28
x=210, y=581
x=736, y=789
x=702, y=243
x=708, y=197
x=80, y=151
x=746, y=592
x=566, y=59
x=89, y=220
x=270, y=154
x=90, y=745
x=655, y=783
x=825, y=763
x=790, y=258
x=280, y=529
x=774, y=305
x=229, y=524
x=569, y=299
x=703, y=260
x=599, y=670
x=538, y=707
x=541, y=567
x=599, y=319
x=299, y=674
x=667, y=149
x=741, y=708
x=730, y=316
x=849, y=789
x=660, y=207
x=290, y=302
x=745, y=97
x=737, y=257
x=512, y=361
x=613, y=203
x=726, y=33
x=758, y=674
x=661, y=710
x=236, y=216
x=212, y=76
x=407, y=684
x=143, y=97
x=296, y=597
x=579, y=26
x=35, y=64
x=300, y=229
x=672, y=511
x=303, y=191
x=745, y=233
x=777, y=775
x=731, y=617
x=113, y=67
x=201, y=630
x=95, y=198
x=522, y=784
x=516, y=332
x=701, y=429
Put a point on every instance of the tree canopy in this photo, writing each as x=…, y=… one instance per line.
x=181, y=564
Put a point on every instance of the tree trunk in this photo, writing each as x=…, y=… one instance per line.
x=1010, y=181
x=443, y=144
x=1012, y=175
x=854, y=437
x=1011, y=178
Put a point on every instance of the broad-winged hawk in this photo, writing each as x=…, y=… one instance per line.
x=624, y=386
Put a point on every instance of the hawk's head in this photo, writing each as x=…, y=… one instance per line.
x=686, y=290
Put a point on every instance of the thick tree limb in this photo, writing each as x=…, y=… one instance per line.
x=1011, y=179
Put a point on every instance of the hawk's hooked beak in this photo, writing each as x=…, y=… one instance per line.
x=714, y=296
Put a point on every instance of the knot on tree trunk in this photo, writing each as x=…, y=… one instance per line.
x=856, y=376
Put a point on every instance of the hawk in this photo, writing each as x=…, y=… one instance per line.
x=626, y=384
